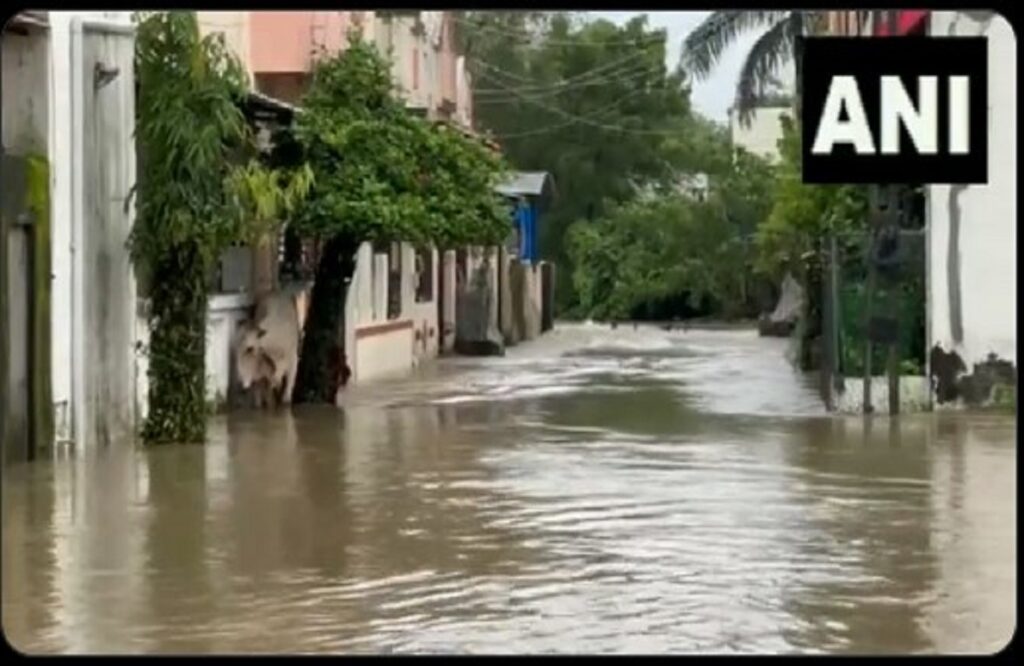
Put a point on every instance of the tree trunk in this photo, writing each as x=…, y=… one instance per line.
x=177, y=349
x=322, y=362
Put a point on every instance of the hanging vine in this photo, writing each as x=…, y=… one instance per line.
x=193, y=199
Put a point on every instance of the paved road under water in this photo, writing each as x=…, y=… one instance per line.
x=593, y=491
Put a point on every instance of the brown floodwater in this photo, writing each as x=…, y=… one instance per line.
x=594, y=491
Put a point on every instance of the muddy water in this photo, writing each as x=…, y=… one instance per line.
x=594, y=491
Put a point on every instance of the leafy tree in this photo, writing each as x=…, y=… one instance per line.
x=591, y=102
x=803, y=214
x=381, y=174
x=192, y=136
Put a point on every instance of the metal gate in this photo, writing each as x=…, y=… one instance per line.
x=873, y=310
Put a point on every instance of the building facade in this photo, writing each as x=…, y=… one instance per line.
x=68, y=284
x=972, y=234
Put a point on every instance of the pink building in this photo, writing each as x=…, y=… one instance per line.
x=400, y=308
x=280, y=49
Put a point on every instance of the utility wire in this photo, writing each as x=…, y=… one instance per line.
x=587, y=121
x=550, y=128
x=614, y=65
x=499, y=95
x=645, y=39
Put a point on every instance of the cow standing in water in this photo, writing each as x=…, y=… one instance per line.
x=267, y=349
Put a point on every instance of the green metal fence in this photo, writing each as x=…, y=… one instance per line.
x=873, y=320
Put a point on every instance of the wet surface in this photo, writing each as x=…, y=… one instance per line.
x=595, y=491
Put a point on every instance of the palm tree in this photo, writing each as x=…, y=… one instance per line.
x=703, y=48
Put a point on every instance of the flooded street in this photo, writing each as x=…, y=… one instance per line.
x=595, y=491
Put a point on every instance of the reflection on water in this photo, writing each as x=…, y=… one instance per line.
x=593, y=491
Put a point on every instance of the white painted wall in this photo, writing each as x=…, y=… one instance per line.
x=988, y=217
x=235, y=28
x=914, y=395
x=25, y=62
x=373, y=354
x=765, y=130
x=61, y=209
x=225, y=313
x=464, y=94
x=63, y=74
x=383, y=356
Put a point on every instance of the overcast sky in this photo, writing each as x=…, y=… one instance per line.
x=711, y=97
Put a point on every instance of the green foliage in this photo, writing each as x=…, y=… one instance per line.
x=588, y=101
x=656, y=248
x=668, y=243
x=902, y=302
x=1004, y=398
x=190, y=130
x=192, y=201
x=803, y=214
x=266, y=196
x=37, y=177
x=383, y=174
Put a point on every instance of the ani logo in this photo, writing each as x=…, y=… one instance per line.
x=895, y=110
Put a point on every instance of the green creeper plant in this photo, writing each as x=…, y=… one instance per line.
x=192, y=201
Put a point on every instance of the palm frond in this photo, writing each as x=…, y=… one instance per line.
x=773, y=49
x=704, y=46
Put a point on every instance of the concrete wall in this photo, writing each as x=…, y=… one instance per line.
x=526, y=300
x=378, y=347
x=463, y=93
x=762, y=136
x=235, y=28
x=92, y=163
x=410, y=58
x=914, y=395
x=25, y=62
x=448, y=287
x=104, y=297
x=24, y=286
x=224, y=315
x=972, y=268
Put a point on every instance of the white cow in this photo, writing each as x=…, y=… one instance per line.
x=268, y=347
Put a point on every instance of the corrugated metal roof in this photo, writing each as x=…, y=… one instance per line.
x=272, y=103
x=29, y=19
x=528, y=183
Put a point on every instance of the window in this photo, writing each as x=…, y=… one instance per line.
x=424, y=274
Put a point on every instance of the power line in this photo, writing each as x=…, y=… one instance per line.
x=586, y=121
x=550, y=128
x=497, y=95
x=613, y=65
x=548, y=41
